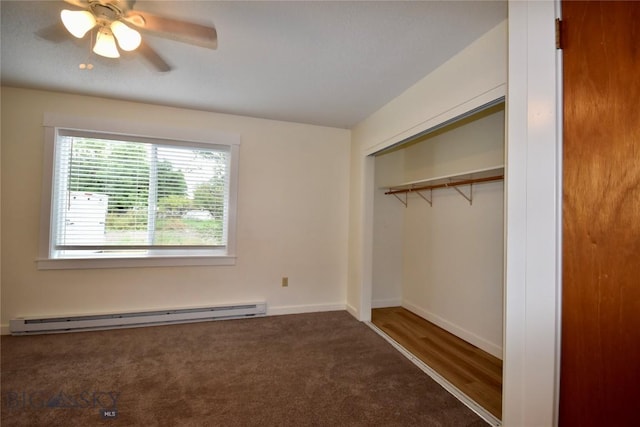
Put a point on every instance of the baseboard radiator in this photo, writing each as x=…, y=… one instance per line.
x=50, y=325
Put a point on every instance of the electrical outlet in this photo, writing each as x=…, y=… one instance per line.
x=285, y=282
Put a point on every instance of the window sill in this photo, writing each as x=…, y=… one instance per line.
x=167, y=261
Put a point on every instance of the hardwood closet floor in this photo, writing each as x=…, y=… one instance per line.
x=473, y=371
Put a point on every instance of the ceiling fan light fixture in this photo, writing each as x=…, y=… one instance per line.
x=106, y=44
x=77, y=22
x=128, y=38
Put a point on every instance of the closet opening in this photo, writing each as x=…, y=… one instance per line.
x=438, y=253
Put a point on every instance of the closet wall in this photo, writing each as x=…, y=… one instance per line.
x=444, y=262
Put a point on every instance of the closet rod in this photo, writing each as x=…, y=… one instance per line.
x=447, y=184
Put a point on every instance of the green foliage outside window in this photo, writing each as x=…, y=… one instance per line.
x=123, y=171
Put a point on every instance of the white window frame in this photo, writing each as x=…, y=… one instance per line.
x=53, y=123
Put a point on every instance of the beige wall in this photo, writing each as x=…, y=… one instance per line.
x=474, y=77
x=292, y=217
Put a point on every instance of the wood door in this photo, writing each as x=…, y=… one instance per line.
x=600, y=362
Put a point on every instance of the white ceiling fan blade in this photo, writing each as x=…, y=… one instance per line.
x=55, y=33
x=153, y=58
x=182, y=31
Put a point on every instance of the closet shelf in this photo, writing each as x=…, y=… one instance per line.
x=469, y=178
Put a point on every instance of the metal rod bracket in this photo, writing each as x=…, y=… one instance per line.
x=404, y=202
x=469, y=198
x=429, y=200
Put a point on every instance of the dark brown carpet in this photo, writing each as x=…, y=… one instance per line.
x=320, y=369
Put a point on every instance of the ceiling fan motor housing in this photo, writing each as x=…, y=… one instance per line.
x=108, y=11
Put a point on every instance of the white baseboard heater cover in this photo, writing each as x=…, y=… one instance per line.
x=49, y=325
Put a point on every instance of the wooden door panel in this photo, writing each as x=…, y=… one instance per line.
x=600, y=362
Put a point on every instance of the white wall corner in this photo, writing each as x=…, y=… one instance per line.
x=366, y=290
x=353, y=311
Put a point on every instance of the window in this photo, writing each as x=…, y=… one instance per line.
x=119, y=199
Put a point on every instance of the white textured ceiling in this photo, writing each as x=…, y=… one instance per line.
x=330, y=63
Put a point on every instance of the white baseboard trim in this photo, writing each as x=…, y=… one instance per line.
x=466, y=400
x=390, y=302
x=307, y=308
x=4, y=329
x=352, y=311
x=470, y=337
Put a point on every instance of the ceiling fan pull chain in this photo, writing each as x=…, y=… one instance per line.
x=87, y=65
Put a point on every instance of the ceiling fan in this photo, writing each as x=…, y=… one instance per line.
x=117, y=20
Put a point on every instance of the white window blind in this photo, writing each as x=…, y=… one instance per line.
x=135, y=196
